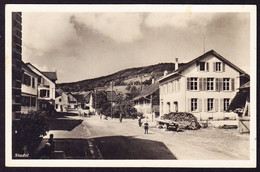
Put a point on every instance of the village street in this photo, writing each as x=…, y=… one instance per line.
x=95, y=138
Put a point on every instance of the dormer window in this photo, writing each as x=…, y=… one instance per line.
x=203, y=66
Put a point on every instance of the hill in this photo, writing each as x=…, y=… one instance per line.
x=122, y=78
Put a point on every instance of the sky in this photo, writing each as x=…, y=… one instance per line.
x=88, y=45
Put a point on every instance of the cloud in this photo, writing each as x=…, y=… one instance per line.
x=120, y=27
x=178, y=20
x=46, y=31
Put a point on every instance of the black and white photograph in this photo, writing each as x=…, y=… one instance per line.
x=130, y=85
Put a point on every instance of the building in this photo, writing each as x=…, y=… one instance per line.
x=29, y=90
x=16, y=64
x=147, y=102
x=46, y=88
x=204, y=87
x=61, y=101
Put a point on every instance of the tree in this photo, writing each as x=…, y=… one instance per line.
x=125, y=108
x=133, y=93
x=31, y=128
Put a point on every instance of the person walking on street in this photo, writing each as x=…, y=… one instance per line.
x=140, y=121
x=51, y=142
x=121, y=118
x=146, y=126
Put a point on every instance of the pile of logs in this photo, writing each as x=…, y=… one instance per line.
x=183, y=119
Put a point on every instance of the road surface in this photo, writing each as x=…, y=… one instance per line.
x=110, y=139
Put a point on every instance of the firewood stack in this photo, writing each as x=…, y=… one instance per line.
x=183, y=119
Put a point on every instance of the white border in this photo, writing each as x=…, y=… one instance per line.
x=129, y=8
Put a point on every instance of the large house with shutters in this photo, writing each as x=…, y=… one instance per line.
x=204, y=87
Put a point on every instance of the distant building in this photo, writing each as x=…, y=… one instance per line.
x=29, y=90
x=65, y=101
x=204, y=87
x=16, y=64
x=147, y=102
x=61, y=101
x=46, y=88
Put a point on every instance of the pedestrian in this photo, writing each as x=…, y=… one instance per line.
x=146, y=126
x=121, y=118
x=140, y=121
x=51, y=142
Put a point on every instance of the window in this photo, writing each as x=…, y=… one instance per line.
x=218, y=66
x=33, y=101
x=25, y=101
x=193, y=83
x=44, y=93
x=210, y=83
x=210, y=104
x=226, y=104
x=203, y=66
x=226, y=83
x=57, y=106
x=169, y=107
x=59, y=100
x=27, y=80
x=33, y=82
x=194, y=104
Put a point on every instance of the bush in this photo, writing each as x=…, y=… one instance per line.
x=31, y=128
x=183, y=119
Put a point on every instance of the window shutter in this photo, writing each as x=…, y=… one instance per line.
x=232, y=84
x=214, y=67
x=216, y=105
x=220, y=84
x=217, y=84
x=198, y=66
x=188, y=83
x=223, y=66
x=205, y=105
x=207, y=66
x=204, y=84
x=200, y=105
x=200, y=84
x=221, y=105
x=189, y=105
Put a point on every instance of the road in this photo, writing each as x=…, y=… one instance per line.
x=110, y=139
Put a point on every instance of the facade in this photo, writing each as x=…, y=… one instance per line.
x=46, y=88
x=147, y=102
x=204, y=87
x=29, y=90
x=61, y=101
x=16, y=64
x=65, y=102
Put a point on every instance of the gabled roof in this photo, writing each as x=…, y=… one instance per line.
x=40, y=71
x=51, y=75
x=182, y=68
x=148, y=90
x=115, y=97
x=24, y=66
x=82, y=98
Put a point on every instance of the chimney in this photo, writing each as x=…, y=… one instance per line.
x=176, y=64
x=165, y=73
x=152, y=80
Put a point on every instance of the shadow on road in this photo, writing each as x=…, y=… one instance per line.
x=63, y=124
x=123, y=147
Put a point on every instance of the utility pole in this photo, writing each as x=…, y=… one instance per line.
x=112, y=99
x=95, y=101
x=203, y=44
